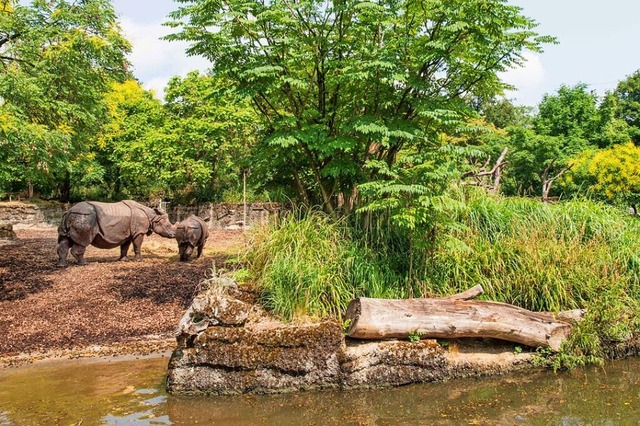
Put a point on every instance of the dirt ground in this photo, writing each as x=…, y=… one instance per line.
x=106, y=307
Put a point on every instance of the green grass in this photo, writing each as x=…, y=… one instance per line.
x=539, y=256
x=542, y=257
x=308, y=266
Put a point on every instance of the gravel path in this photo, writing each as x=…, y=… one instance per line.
x=133, y=307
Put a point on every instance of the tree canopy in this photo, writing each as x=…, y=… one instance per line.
x=627, y=94
x=57, y=59
x=342, y=85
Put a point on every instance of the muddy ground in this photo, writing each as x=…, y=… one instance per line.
x=106, y=307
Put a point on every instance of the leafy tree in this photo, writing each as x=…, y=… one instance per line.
x=530, y=154
x=502, y=113
x=627, y=94
x=611, y=174
x=210, y=131
x=345, y=89
x=571, y=113
x=124, y=162
x=57, y=59
x=192, y=148
x=611, y=130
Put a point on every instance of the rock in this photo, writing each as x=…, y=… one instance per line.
x=216, y=305
x=6, y=231
x=227, y=361
x=391, y=363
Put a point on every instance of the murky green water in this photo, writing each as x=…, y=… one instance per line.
x=132, y=392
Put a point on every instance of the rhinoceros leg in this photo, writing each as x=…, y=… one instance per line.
x=78, y=252
x=124, y=249
x=182, y=248
x=200, y=247
x=63, y=251
x=137, y=244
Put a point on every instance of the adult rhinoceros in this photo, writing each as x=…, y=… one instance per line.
x=109, y=225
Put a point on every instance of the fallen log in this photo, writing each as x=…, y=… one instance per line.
x=375, y=319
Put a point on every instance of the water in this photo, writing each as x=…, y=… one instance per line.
x=132, y=393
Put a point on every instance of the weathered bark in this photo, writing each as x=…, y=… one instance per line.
x=472, y=293
x=445, y=318
x=489, y=179
x=548, y=181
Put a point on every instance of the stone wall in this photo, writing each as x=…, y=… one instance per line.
x=222, y=216
x=27, y=215
x=226, y=215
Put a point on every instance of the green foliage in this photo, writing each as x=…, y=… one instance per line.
x=503, y=114
x=627, y=94
x=340, y=84
x=411, y=205
x=122, y=151
x=193, y=148
x=209, y=132
x=542, y=257
x=535, y=255
x=309, y=266
x=57, y=61
x=530, y=154
x=577, y=254
x=571, y=113
x=414, y=336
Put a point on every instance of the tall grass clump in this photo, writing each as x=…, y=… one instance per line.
x=543, y=257
x=306, y=264
x=549, y=257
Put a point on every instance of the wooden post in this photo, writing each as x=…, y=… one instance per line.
x=244, y=199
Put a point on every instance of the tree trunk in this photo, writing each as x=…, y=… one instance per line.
x=446, y=318
x=65, y=190
x=29, y=189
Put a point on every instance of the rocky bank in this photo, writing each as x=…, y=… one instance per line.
x=228, y=345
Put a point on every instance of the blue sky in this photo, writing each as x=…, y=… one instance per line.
x=599, y=45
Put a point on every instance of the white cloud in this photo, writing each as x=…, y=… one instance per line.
x=154, y=60
x=528, y=80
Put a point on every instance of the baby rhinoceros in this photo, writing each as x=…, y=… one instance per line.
x=190, y=233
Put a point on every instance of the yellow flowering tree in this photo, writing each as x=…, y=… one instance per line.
x=612, y=174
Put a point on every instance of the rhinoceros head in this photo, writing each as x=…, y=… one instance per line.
x=160, y=224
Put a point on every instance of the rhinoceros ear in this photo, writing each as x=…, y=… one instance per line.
x=158, y=211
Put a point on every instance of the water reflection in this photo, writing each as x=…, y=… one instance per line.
x=132, y=392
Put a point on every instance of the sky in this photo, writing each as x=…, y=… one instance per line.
x=599, y=45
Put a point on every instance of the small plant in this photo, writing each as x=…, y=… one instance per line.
x=414, y=336
x=443, y=343
x=517, y=350
x=242, y=275
x=345, y=326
